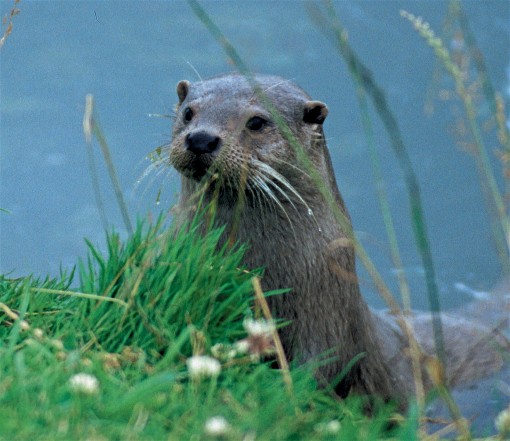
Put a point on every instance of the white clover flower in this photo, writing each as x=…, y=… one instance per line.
x=203, y=366
x=84, y=383
x=57, y=344
x=258, y=327
x=331, y=427
x=260, y=338
x=242, y=346
x=217, y=426
x=502, y=422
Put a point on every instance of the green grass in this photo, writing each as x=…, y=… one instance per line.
x=177, y=295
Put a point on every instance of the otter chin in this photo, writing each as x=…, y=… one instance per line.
x=224, y=137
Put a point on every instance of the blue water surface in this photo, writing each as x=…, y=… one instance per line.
x=130, y=55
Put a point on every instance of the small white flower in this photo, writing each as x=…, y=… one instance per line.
x=242, y=346
x=260, y=338
x=502, y=422
x=57, y=344
x=85, y=383
x=331, y=427
x=217, y=426
x=258, y=327
x=203, y=366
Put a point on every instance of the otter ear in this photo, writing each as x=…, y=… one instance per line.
x=315, y=112
x=182, y=90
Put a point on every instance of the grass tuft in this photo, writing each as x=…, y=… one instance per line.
x=84, y=367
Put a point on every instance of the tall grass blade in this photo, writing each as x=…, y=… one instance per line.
x=92, y=127
x=87, y=130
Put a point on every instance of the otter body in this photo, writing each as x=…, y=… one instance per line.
x=226, y=141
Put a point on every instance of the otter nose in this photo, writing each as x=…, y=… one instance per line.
x=202, y=142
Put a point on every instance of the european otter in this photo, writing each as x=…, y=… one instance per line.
x=225, y=137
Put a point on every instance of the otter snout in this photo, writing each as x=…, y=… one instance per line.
x=202, y=142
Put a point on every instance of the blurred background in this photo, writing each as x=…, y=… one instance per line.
x=131, y=54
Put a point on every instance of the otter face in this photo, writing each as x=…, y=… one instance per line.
x=223, y=129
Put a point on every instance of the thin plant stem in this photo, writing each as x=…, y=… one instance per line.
x=13, y=316
x=14, y=11
x=87, y=130
x=92, y=126
x=383, y=197
x=406, y=324
x=79, y=294
x=477, y=55
x=504, y=139
x=494, y=102
x=220, y=38
x=280, y=353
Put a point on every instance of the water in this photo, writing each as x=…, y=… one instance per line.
x=130, y=55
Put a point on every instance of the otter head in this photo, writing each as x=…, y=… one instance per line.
x=224, y=128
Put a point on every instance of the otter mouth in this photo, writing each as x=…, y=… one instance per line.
x=196, y=166
x=206, y=169
x=199, y=168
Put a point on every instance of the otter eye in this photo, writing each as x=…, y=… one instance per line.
x=188, y=114
x=256, y=123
